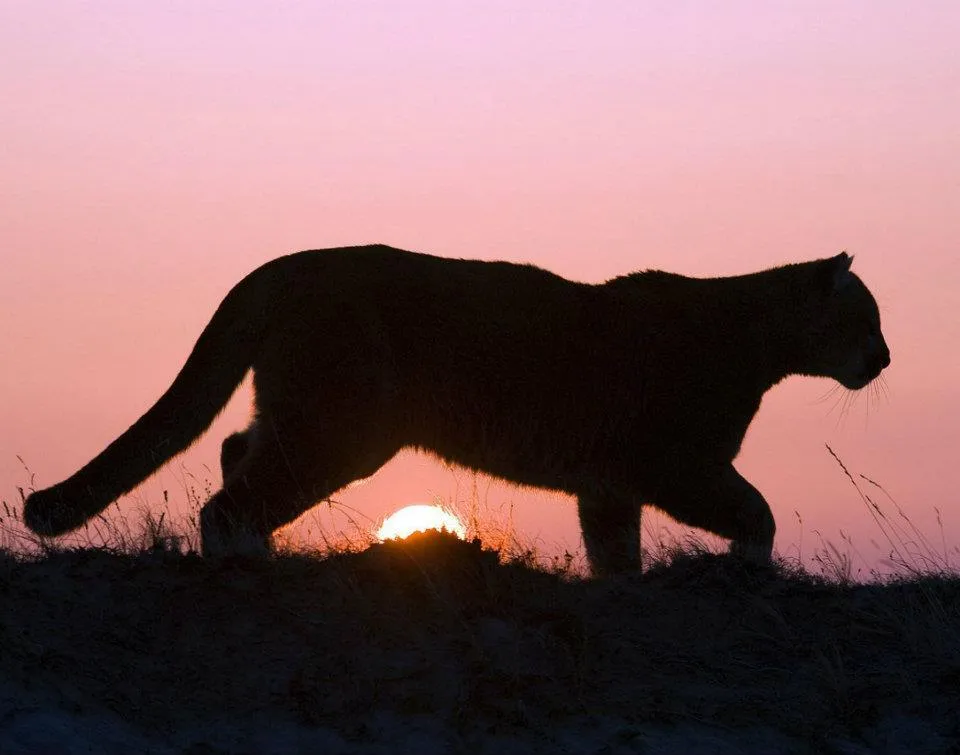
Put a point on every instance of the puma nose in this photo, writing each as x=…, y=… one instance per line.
x=884, y=354
x=880, y=351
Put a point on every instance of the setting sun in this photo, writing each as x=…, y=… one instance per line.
x=419, y=518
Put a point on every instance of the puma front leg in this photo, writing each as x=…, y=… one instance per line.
x=611, y=533
x=720, y=500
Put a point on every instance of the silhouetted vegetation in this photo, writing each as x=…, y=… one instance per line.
x=434, y=644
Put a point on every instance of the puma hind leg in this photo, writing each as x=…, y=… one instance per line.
x=257, y=477
x=226, y=523
x=275, y=471
x=232, y=451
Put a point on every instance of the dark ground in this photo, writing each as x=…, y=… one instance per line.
x=433, y=645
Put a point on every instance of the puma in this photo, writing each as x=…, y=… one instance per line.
x=635, y=391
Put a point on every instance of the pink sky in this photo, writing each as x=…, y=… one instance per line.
x=154, y=153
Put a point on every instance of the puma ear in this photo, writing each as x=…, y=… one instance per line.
x=837, y=271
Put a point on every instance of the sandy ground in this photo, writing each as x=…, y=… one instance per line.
x=435, y=646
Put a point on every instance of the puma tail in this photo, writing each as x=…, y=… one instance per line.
x=223, y=354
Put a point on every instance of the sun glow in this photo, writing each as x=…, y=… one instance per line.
x=419, y=518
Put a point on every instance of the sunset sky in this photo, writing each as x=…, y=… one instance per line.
x=154, y=153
